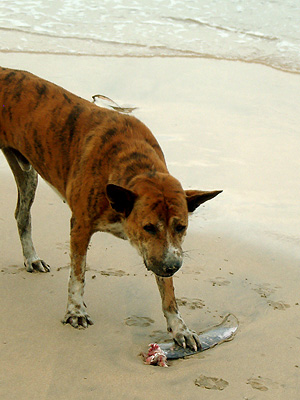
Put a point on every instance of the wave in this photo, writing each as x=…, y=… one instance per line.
x=224, y=28
x=75, y=37
x=23, y=40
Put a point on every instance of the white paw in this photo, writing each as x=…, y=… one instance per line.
x=77, y=318
x=182, y=335
x=36, y=265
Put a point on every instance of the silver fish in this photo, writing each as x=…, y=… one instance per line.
x=208, y=339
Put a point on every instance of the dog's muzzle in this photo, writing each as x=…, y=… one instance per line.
x=166, y=267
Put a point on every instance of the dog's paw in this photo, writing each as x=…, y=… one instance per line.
x=187, y=338
x=182, y=335
x=77, y=319
x=36, y=265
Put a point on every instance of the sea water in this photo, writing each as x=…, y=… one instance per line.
x=259, y=31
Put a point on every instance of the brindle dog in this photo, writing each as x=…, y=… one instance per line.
x=110, y=170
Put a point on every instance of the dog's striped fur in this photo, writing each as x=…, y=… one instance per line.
x=110, y=170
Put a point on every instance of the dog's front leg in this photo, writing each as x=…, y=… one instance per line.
x=76, y=310
x=175, y=324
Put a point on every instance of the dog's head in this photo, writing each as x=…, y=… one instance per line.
x=155, y=210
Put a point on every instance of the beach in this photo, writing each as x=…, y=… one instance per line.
x=225, y=125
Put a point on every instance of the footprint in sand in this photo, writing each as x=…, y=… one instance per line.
x=191, y=304
x=265, y=289
x=262, y=384
x=207, y=382
x=134, y=320
x=108, y=272
x=114, y=272
x=257, y=383
x=278, y=305
x=219, y=281
x=12, y=270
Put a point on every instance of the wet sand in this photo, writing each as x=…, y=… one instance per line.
x=222, y=125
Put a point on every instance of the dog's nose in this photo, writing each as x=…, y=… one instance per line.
x=162, y=269
x=167, y=265
x=171, y=270
x=172, y=266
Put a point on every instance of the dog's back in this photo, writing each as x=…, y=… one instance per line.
x=45, y=122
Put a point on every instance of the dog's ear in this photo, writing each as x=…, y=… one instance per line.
x=196, y=197
x=121, y=199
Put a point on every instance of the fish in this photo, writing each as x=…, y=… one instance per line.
x=158, y=354
x=209, y=338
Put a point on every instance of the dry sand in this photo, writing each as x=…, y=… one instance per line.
x=222, y=125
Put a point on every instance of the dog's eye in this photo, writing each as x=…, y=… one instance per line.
x=180, y=228
x=150, y=228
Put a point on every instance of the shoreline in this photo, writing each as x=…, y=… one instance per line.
x=221, y=125
x=160, y=56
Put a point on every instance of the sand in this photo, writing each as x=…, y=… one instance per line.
x=222, y=125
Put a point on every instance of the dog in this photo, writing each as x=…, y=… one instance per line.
x=110, y=170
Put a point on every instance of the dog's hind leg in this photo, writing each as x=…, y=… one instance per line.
x=26, y=180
